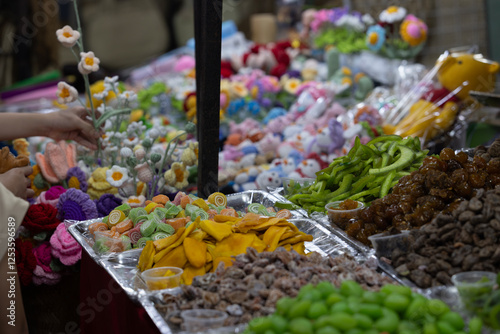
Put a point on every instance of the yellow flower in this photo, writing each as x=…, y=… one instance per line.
x=190, y=155
x=177, y=176
x=346, y=71
x=66, y=93
x=136, y=115
x=346, y=81
x=358, y=76
x=38, y=191
x=291, y=85
x=98, y=185
x=225, y=84
x=73, y=182
x=238, y=89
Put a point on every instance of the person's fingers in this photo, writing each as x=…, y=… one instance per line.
x=83, y=141
x=27, y=170
x=28, y=183
x=30, y=193
x=86, y=128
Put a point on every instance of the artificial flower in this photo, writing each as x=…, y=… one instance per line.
x=135, y=201
x=131, y=140
x=66, y=93
x=238, y=89
x=116, y=176
x=375, y=37
x=41, y=217
x=88, y=63
x=367, y=19
x=77, y=179
x=144, y=172
x=136, y=127
x=128, y=96
x=67, y=36
x=47, y=277
x=413, y=30
x=153, y=133
x=97, y=184
x=126, y=152
x=107, y=203
x=101, y=95
x=65, y=247
x=139, y=153
x=190, y=154
x=392, y=14
x=352, y=22
x=177, y=175
x=38, y=184
x=43, y=255
x=25, y=261
x=111, y=83
x=74, y=204
x=291, y=85
x=56, y=161
x=51, y=196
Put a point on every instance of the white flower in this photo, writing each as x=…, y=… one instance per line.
x=101, y=96
x=66, y=93
x=129, y=96
x=117, y=176
x=110, y=149
x=351, y=21
x=102, y=109
x=135, y=201
x=126, y=152
x=111, y=83
x=131, y=140
x=367, y=19
x=86, y=169
x=108, y=124
x=393, y=14
x=162, y=130
x=154, y=133
x=88, y=63
x=67, y=36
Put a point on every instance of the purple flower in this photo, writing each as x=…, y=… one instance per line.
x=294, y=74
x=106, y=203
x=336, y=13
x=79, y=178
x=74, y=204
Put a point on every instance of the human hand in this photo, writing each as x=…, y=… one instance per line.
x=17, y=181
x=72, y=124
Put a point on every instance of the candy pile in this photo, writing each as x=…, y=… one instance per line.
x=367, y=172
x=467, y=240
x=256, y=281
x=200, y=247
x=127, y=227
x=325, y=309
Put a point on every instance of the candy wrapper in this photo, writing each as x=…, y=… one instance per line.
x=438, y=107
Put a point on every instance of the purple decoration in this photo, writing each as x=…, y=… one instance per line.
x=336, y=13
x=54, y=192
x=150, y=185
x=80, y=175
x=74, y=204
x=265, y=102
x=106, y=204
x=294, y=74
x=336, y=134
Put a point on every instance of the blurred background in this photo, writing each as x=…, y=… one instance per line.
x=130, y=33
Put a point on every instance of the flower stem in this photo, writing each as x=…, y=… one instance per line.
x=79, y=26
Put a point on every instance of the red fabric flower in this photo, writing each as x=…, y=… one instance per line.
x=279, y=70
x=41, y=217
x=25, y=261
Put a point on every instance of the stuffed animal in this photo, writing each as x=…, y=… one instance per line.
x=9, y=161
x=436, y=110
x=269, y=143
x=309, y=167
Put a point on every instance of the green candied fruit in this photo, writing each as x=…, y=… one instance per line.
x=316, y=310
x=301, y=326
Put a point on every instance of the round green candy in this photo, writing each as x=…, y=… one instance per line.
x=148, y=227
x=437, y=307
x=284, y=304
x=279, y=323
x=301, y=326
x=141, y=243
x=327, y=330
x=351, y=288
x=299, y=309
x=333, y=298
x=454, y=319
x=343, y=321
x=326, y=288
x=260, y=325
x=363, y=321
x=374, y=311
x=316, y=310
x=397, y=302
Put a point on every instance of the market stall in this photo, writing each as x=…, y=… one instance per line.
x=293, y=187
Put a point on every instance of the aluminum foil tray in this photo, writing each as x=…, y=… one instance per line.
x=240, y=201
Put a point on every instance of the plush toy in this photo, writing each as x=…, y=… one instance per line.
x=273, y=113
x=333, y=111
x=433, y=111
x=9, y=161
x=256, y=178
x=272, y=58
x=331, y=138
x=269, y=143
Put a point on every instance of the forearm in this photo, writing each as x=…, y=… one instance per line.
x=14, y=126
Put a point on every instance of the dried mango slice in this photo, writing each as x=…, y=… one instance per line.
x=196, y=252
x=198, y=235
x=191, y=272
x=187, y=231
x=217, y=230
x=164, y=243
x=272, y=237
x=224, y=219
x=237, y=243
x=175, y=258
x=299, y=248
x=146, y=258
x=200, y=202
x=300, y=237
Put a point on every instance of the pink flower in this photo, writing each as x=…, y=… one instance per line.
x=65, y=247
x=144, y=172
x=43, y=256
x=51, y=196
x=40, y=276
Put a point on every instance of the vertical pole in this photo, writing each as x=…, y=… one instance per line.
x=207, y=33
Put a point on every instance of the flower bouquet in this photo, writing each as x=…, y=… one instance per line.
x=397, y=35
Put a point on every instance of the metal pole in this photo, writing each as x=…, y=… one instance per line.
x=207, y=32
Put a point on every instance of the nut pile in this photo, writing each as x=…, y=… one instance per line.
x=252, y=286
x=466, y=240
x=490, y=153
